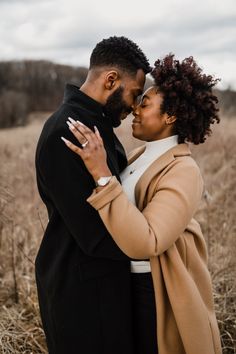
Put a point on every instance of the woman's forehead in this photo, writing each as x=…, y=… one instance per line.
x=150, y=92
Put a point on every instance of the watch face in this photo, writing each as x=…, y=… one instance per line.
x=103, y=181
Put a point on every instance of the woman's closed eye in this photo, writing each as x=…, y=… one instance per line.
x=143, y=103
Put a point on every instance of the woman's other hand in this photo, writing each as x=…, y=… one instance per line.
x=92, y=152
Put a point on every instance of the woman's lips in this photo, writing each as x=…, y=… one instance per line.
x=135, y=122
x=135, y=125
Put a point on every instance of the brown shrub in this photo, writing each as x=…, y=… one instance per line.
x=14, y=109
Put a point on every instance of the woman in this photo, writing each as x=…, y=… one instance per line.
x=150, y=216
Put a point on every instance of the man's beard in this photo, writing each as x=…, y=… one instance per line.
x=116, y=106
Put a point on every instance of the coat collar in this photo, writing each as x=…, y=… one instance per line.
x=156, y=167
x=73, y=95
x=178, y=150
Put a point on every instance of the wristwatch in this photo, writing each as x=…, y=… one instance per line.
x=103, y=181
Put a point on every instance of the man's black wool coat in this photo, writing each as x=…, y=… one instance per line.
x=83, y=278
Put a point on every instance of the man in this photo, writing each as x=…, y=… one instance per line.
x=83, y=278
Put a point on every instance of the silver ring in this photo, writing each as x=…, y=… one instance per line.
x=84, y=144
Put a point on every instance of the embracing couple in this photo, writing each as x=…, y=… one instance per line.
x=122, y=267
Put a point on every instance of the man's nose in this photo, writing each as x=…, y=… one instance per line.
x=135, y=110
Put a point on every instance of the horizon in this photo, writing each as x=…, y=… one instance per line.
x=228, y=88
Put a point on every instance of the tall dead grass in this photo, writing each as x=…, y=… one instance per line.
x=23, y=217
x=21, y=214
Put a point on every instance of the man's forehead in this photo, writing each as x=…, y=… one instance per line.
x=135, y=82
x=140, y=77
x=138, y=82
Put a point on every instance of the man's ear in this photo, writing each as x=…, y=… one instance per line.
x=111, y=79
x=170, y=120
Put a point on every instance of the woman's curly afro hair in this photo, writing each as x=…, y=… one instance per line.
x=187, y=95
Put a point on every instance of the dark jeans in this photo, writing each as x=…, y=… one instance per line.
x=144, y=314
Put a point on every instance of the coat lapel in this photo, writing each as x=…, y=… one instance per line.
x=155, y=168
x=134, y=154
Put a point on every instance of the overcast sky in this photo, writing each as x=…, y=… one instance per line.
x=66, y=31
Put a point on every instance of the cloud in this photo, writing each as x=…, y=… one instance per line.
x=67, y=31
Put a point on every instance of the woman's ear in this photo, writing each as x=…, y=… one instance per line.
x=111, y=79
x=170, y=120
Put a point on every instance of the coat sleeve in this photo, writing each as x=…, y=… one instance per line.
x=151, y=232
x=69, y=184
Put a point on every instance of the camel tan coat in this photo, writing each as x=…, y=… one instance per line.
x=162, y=229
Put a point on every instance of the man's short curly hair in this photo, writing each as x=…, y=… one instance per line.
x=187, y=95
x=120, y=52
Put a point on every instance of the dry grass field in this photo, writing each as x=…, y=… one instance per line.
x=23, y=218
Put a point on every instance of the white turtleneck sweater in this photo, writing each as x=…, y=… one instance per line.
x=130, y=176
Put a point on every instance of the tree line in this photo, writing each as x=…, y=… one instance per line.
x=38, y=85
x=27, y=86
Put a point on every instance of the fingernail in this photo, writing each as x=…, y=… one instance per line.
x=71, y=126
x=65, y=140
x=71, y=120
x=96, y=129
x=80, y=122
